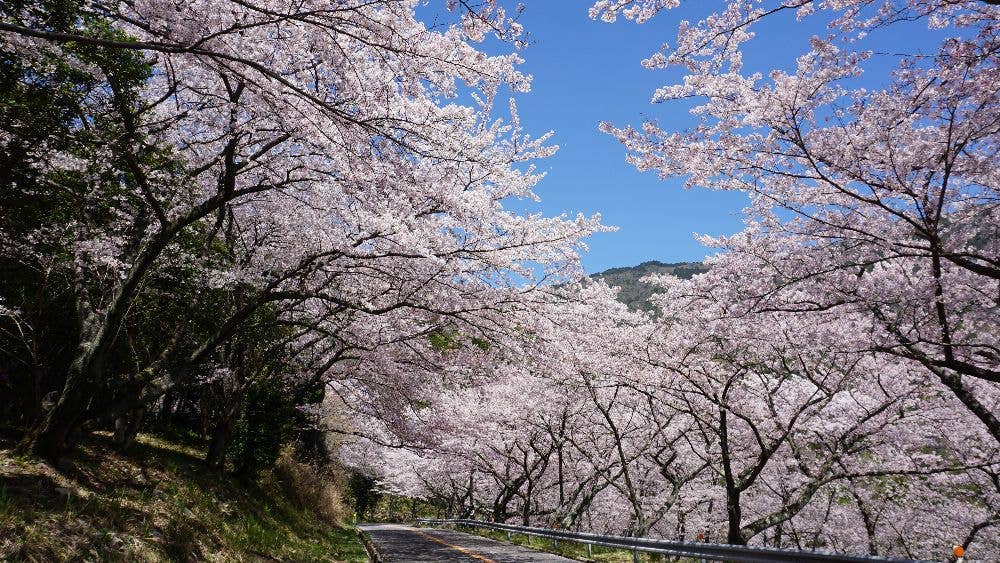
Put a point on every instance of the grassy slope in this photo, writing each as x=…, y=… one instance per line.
x=156, y=503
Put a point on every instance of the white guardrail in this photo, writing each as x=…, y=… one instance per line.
x=704, y=551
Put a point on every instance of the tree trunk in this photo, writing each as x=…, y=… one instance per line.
x=216, y=457
x=221, y=434
x=127, y=427
x=166, y=413
x=734, y=512
x=48, y=440
x=526, y=508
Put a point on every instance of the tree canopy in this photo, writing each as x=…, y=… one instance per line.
x=265, y=223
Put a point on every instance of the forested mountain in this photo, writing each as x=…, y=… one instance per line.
x=636, y=293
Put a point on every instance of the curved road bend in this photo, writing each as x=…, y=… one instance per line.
x=396, y=542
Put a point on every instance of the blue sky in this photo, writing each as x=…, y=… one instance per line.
x=589, y=71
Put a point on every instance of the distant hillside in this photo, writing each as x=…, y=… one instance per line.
x=635, y=293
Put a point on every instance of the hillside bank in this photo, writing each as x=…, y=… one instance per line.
x=158, y=502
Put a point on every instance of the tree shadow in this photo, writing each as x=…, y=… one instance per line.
x=30, y=491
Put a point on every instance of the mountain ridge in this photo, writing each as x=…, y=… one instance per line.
x=636, y=293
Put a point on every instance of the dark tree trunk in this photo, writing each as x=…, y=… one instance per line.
x=49, y=439
x=216, y=457
x=166, y=413
x=526, y=509
x=734, y=511
x=127, y=426
x=221, y=434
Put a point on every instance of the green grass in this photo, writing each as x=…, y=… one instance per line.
x=157, y=503
x=6, y=502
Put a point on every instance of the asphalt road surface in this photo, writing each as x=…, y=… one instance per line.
x=395, y=542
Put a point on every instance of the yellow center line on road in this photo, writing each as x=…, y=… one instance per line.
x=468, y=552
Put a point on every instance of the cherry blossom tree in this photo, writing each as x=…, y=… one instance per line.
x=715, y=420
x=319, y=157
x=872, y=216
x=788, y=419
x=878, y=201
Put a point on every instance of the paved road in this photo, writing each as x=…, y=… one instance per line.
x=396, y=542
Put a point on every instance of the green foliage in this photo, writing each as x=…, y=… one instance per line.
x=55, y=104
x=79, y=104
x=445, y=340
x=454, y=340
x=267, y=423
x=364, y=493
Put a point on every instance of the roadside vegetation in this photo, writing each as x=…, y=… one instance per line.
x=159, y=502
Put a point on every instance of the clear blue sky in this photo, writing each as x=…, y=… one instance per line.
x=589, y=71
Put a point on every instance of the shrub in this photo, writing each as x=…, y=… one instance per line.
x=311, y=487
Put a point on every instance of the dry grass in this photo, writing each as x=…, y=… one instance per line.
x=312, y=488
x=158, y=503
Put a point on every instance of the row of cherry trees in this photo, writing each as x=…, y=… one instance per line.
x=228, y=211
x=708, y=422
x=270, y=217
x=832, y=380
